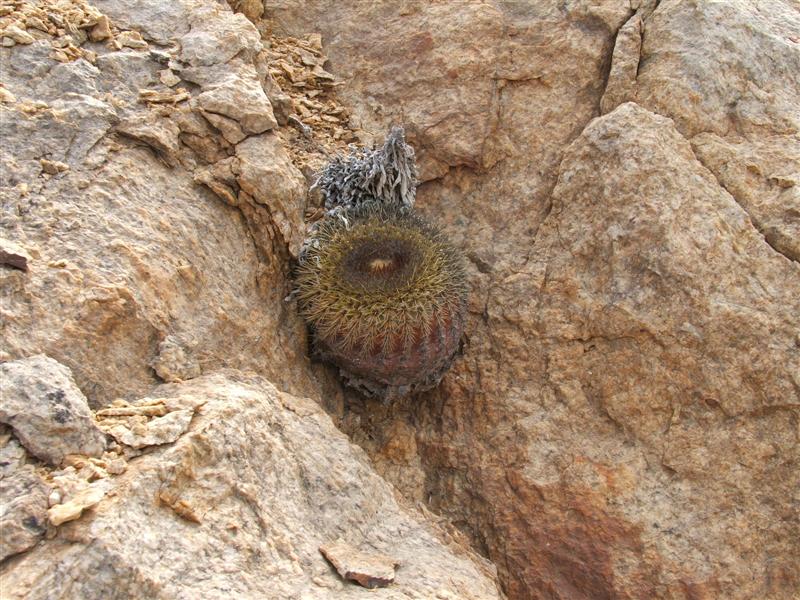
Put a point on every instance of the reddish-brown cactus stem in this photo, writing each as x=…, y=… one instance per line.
x=385, y=297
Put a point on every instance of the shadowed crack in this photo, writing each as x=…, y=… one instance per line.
x=608, y=61
x=757, y=224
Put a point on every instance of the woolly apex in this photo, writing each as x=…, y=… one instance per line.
x=388, y=174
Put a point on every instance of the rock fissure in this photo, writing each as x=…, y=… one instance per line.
x=609, y=60
x=755, y=221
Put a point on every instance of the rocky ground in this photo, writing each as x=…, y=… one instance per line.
x=624, y=420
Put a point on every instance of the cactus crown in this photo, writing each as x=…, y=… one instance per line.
x=376, y=273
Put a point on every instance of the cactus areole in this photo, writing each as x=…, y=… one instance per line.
x=384, y=294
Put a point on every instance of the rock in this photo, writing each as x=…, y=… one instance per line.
x=221, y=179
x=622, y=422
x=680, y=75
x=632, y=298
x=64, y=131
x=53, y=167
x=73, y=508
x=147, y=409
x=252, y=9
x=245, y=500
x=17, y=35
x=159, y=134
x=168, y=78
x=229, y=128
x=267, y=174
x=47, y=411
x=161, y=430
x=101, y=30
x=23, y=510
x=13, y=255
x=519, y=63
x=89, y=119
x=217, y=37
x=160, y=23
x=22, y=64
x=77, y=77
x=12, y=454
x=240, y=99
x=738, y=97
x=126, y=72
x=629, y=327
x=172, y=364
x=368, y=570
x=130, y=39
x=674, y=263
x=163, y=96
x=621, y=85
x=6, y=96
x=763, y=176
x=174, y=260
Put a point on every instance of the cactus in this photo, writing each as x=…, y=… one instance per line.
x=382, y=291
x=385, y=296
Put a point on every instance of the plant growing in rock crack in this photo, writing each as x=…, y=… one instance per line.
x=383, y=292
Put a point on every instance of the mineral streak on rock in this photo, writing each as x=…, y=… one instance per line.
x=385, y=295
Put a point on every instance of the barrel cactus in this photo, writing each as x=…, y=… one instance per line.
x=382, y=290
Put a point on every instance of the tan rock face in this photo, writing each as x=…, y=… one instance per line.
x=623, y=422
x=255, y=487
x=23, y=500
x=127, y=254
x=151, y=207
x=726, y=72
x=47, y=411
x=451, y=71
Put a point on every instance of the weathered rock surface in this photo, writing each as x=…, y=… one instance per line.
x=73, y=508
x=623, y=423
x=13, y=255
x=23, y=511
x=23, y=499
x=172, y=364
x=257, y=485
x=161, y=430
x=458, y=74
x=127, y=250
x=368, y=570
x=743, y=119
x=47, y=411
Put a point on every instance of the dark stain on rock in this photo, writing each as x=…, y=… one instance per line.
x=61, y=411
x=421, y=43
x=32, y=523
